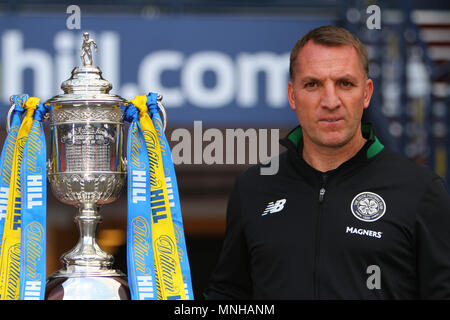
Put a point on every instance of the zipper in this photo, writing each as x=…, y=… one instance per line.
x=322, y=192
x=322, y=188
x=321, y=195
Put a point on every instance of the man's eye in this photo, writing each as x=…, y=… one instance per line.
x=346, y=84
x=310, y=85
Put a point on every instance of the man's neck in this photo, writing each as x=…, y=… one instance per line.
x=325, y=159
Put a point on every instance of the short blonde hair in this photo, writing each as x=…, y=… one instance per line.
x=330, y=36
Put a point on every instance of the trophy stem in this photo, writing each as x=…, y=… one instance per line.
x=87, y=252
x=87, y=272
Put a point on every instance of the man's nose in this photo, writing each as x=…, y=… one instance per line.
x=330, y=98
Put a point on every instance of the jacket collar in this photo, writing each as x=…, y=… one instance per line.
x=373, y=146
x=294, y=143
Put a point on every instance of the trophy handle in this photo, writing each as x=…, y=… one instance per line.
x=8, y=116
x=163, y=111
x=10, y=111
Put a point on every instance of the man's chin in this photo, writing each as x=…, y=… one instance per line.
x=333, y=141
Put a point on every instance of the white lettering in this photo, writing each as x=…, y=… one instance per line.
x=234, y=78
x=145, y=287
x=192, y=74
x=34, y=191
x=32, y=290
x=150, y=75
x=246, y=309
x=16, y=59
x=64, y=61
x=374, y=20
x=138, y=186
x=109, y=54
x=190, y=310
x=4, y=193
x=170, y=191
x=364, y=232
x=74, y=20
x=275, y=67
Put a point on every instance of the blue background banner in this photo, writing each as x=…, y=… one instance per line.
x=221, y=70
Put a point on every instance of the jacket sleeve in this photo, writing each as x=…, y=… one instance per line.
x=231, y=277
x=433, y=242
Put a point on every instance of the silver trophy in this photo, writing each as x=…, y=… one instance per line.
x=87, y=169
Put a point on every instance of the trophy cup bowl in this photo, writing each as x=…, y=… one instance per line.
x=86, y=169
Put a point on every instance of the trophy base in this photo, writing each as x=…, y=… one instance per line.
x=87, y=287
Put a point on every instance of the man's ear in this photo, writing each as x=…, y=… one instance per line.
x=368, y=92
x=290, y=94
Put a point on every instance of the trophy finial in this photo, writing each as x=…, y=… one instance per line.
x=86, y=49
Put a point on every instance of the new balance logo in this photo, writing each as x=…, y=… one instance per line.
x=274, y=207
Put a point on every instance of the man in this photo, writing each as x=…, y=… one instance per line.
x=86, y=49
x=344, y=217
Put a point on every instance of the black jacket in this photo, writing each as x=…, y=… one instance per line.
x=376, y=227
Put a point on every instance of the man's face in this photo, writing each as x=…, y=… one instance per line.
x=329, y=93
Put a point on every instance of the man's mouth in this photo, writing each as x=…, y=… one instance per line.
x=330, y=119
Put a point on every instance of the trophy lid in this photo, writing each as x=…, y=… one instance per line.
x=86, y=83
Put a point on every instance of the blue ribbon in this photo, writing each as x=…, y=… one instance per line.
x=6, y=157
x=140, y=261
x=172, y=187
x=33, y=183
x=33, y=179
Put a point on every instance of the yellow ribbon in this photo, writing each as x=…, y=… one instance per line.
x=10, y=253
x=169, y=278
